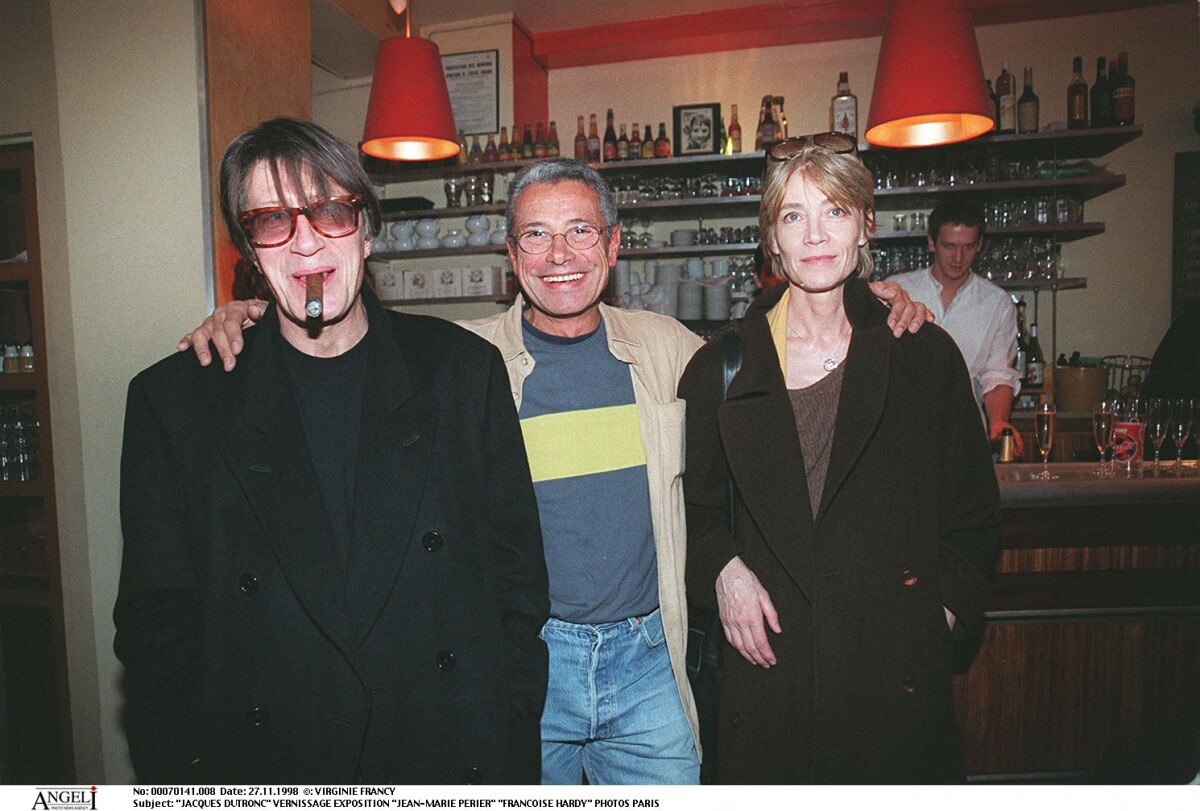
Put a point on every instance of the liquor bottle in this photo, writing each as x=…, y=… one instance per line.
x=580, y=142
x=1006, y=90
x=648, y=143
x=1077, y=97
x=553, y=148
x=502, y=149
x=623, y=145
x=514, y=146
x=1123, y=95
x=610, y=139
x=463, y=150
x=662, y=144
x=1101, y=97
x=1035, y=361
x=490, y=153
x=527, y=143
x=722, y=144
x=539, y=142
x=843, y=108
x=635, y=143
x=476, y=155
x=1008, y=447
x=1021, y=364
x=781, y=128
x=1027, y=106
x=766, y=125
x=593, y=140
x=735, y=131
x=995, y=101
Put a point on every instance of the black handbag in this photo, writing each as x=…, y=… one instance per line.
x=704, y=626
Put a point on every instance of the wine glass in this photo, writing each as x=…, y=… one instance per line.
x=1158, y=419
x=1183, y=416
x=1102, y=431
x=1044, y=418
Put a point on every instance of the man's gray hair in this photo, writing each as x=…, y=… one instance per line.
x=555, y=170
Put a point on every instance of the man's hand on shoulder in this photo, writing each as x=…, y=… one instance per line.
x=906, y=314
x=224, y=328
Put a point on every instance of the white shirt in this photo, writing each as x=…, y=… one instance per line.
x=981, y=319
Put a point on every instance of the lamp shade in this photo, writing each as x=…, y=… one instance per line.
x=929, y=81
x=409, y=116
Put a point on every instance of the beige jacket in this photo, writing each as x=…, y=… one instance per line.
x=657, y=349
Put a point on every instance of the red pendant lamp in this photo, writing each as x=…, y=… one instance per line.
x=929, y=86
x=409, y=116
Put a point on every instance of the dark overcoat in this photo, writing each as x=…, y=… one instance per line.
x=251, y=654
x=908, y=522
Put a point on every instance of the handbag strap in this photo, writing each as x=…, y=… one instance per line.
x=731, y=364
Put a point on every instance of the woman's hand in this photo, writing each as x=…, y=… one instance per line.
x=906, y=314
x=224, y=327
x=743, y=603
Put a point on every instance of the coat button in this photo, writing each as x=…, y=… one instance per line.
x=472, y=776
x=736, y=719
x=248, y=583
x=431, y=541
x=910, y=577
x=445, y=661
x=257, y=717
x=908, y=686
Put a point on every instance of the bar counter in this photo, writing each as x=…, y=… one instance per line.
x=1089, y=667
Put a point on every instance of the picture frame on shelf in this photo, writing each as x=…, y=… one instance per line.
x=696, y=127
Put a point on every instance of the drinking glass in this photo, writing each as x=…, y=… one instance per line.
x=1044, y=418
x=1102, y=431
x=1183, y=416
x=1158, y=419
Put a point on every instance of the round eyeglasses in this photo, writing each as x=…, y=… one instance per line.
x=577, y=237
x=838, y=142
x=272, y=226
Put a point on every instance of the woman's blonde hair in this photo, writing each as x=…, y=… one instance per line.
x=841, y=176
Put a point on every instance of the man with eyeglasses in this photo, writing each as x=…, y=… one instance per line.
x=595, y=389
x=333, y=569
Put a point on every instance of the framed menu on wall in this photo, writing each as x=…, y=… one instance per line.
x=473, y=79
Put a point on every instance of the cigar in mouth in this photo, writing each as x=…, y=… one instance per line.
x=313, y=295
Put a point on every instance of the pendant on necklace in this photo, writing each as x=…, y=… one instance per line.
x=830, y=364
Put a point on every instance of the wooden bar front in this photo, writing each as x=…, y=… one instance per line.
x=1089, y=668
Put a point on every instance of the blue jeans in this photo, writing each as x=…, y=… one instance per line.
x=612, y=708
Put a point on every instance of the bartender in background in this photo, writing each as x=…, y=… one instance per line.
x=978, y=315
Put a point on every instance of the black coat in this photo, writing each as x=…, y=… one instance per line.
x=908, y=522
x=249, y=646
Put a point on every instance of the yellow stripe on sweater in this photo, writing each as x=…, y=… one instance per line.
x=579, y=443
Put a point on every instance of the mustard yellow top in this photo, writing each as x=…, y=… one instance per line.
x=777, y=318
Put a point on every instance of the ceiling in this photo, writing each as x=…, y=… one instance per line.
x=558, y=15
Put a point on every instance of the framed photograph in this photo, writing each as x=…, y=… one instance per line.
x=696, y=128
x=473, y=79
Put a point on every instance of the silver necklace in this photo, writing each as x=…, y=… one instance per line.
x=830, y=361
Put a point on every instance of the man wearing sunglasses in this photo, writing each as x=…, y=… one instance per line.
x=333, y=570
x=595, y=389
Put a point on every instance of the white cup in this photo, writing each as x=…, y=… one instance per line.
x=683, y=237
x=695, y=268
x=691, y=299
x=717, y=298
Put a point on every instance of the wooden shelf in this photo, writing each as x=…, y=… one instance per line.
x=1063, y=283
x=21, y=381
x=498, y=298
x=669, y=251
x=470, y=250
x=1066, y=232
x=1085, y=187
x=33, y=489
x=16, y=271
x=1093, y=594
x=444, y=213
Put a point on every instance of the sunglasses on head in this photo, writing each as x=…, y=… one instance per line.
x=837, y=142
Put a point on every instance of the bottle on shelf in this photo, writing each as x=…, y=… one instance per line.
x=610, y=139
x=539, y=141
x=527, y=143
x=581, y=145
x=635, y=142
x=1101, y=97
x=593, y=140
x=491, y=153
x=995, y=101
x=1077, y=97
x=1035, y=362
x=1006, y=91
x=722, y=137
x=463, y=150
x=553, y=149
x=623, y=145
x=648, y=143
x=1123, y=95
x=765, y=136
x=1028, y=106
x=781, y=124
x=1021, y=363
x=502, y=149
x=735, y=131
x=476, y=155
x=662, y=144
x=843, y=108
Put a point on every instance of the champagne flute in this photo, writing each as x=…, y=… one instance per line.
x=1158, y=419
x=1044, y=418
x=1102, y=431
x=1183, y=415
